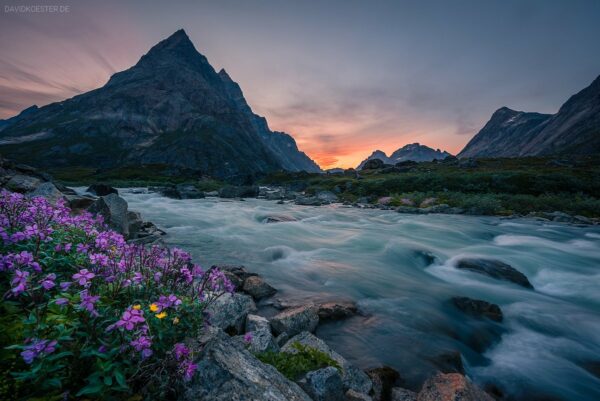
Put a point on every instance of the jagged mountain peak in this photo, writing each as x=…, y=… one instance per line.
x=412, y=151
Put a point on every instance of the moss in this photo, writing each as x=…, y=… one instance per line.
x=295, y=365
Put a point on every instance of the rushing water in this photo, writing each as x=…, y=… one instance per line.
x=399, y=269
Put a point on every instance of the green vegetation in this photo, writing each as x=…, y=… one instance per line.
x=295, y=365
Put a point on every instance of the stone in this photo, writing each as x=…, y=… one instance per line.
x=495, y=269
x=258, y=288
x=188, y=191
x=402, y=394
x=308, y=201
x=262, y=338
x=295, y=320
x=352, y=377
x=385, y=200
x=278, y=219
x=323, y=384
x=229, y=312
x=77, y=202
x=211, y=193
x=337, y=310
x=449, y=362
x=135, y=222
x=352, y=395
x=101, y=190
x=170, y=192
x=327, y=196
x=478, y=308
x=232, y=191
x=114, y=210
x=428, y=202
x=451, y=387
x=49, y=191
x=383, y=378
x=227, y=372
x=23, y=183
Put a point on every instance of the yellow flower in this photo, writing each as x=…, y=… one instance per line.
x=161, y=315
x=137, y=307
x=176, y=320
x=153, y=307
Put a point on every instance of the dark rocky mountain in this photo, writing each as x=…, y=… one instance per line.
x=414, y=151
x=574, y=130
x=171, y=108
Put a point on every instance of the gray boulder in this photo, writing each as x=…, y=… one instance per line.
x=308, y=201
x=229, y=312
x=258, y=288
x=383, y=378
x=188, y=191
x=323, y=384
x=337, y=310
x=114, y=210
x=278, y=219
x=327, y=196
x=352, y=395
x=77, y=202
x=352, y=377
x=262, y=338
x=227, y=372
x=495, y=269
x=23, y=183
x=402, y=394
x=232, y=191
x=478, y=308
x=101, y=190
x=295, y=320
x=451, y=386
x=47, y=190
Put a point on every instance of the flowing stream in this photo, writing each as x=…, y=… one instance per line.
x=399, y=269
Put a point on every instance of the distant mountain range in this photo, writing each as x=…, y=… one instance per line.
x=171, y=108
x=414, y=151
x=574, y=130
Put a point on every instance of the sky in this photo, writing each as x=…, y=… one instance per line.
x=343, y=77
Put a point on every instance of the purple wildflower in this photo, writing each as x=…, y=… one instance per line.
x=130, y=318
x=248, y=337
x=181, y=351
x=88, y=301
x=38, y=348
x=48, y=281
x=83, y=277
x=19, y=282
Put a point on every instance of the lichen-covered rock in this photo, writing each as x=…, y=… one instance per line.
x=228, y=372
x=495, y=269
x=478, y=308
x=352, y=395
x=258, y=288
x=352, y=377
x=49, y=191
x=402, y=394
x=295, y=320
x=114, y=210
x=23, y=183
x=323, y=384
x=337, y=310
x=451, y=387
x=383, y=378
x=262, y=338
x=229, y=312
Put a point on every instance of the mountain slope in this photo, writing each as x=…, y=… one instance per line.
x=171, y=108
x=574, y=130
x=414, y=151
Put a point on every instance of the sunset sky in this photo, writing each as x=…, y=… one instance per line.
x=343, y=77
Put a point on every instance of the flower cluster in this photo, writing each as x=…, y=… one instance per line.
x=96, y=296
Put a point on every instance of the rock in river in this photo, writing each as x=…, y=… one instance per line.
x=114, y=210
x=101, y=190
x=295, y=320
x=258, y=288
x=226, y=372
x=451, y=387
x=478, y=308
x=495, y=269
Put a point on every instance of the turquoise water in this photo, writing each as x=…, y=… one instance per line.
x=399, y=269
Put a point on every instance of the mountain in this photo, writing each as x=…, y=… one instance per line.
x=414, y=151
x=574, y=130
x=171, y=108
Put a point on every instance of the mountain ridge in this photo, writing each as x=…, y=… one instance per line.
x=413, y=151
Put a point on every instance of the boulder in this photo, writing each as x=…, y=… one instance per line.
x=135, y=222
x=449, y=362
x=170, y=192
x=295, y=320
x=188, y=191
x=49, y=191
x=337, y=310
x=308, y=201
x=227, y=371
x=229, y=312
x=327, y=196
x=383, y=378
x=278, y=219
x=428, y=202
x=402, y=394
x=64, y=189
x=114, y=210
x=148, y=233
x=23, y=183
x=478, y=308
x=352, y=377
x=495, y=269
x=101, y=190
x=258, y=288
x=77, y=202
x=211, y=193
x=262, y=338
x=323, y=384
x=236, y=270
x=232, y=191
x=373, y=164
x=352, y=395
x=386, y=200
x=451, y=387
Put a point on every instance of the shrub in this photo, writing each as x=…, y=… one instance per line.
x=88, y=314
x=295, y=365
